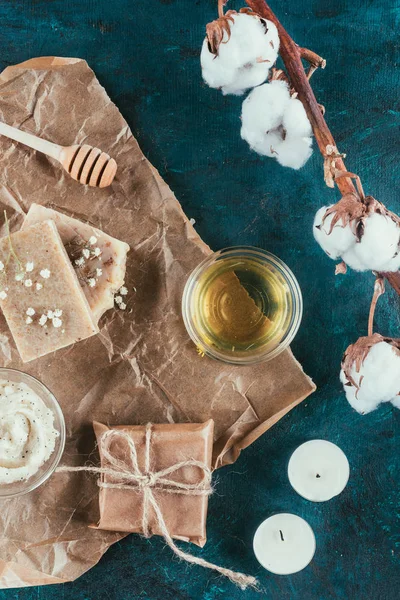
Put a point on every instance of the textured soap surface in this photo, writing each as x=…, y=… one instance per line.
x=40, y=294
x=100, y=276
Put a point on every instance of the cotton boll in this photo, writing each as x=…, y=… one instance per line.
x=375, y=245
x=294, y=152
x=262, y=112
x=221, y=74
x=295, y=120
x=244, y=58
x=272, y=42
x=351, y=259
x=265, y=144
x=336, y=243
x=379, y=248
x=216, y=73
x=362, y=406
x=396, y=401
x=377, y=380
x=249, y=76
x=249, y=41
x=264, y=106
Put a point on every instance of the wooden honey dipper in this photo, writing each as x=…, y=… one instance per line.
x=85, y=164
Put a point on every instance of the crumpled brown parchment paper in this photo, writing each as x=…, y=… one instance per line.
x=142, y=366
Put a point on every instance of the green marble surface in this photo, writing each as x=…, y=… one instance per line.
x=145, y=52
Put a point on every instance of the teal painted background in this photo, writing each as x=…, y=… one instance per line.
x=145, y=52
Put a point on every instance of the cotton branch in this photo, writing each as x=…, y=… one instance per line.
x=379, y=289
x=292, y=55
x=334, y=168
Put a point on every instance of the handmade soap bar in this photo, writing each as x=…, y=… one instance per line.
x=98, y=258
x=184, y=513
x=40, y=295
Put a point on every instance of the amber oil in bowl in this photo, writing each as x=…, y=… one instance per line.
x=242, y=305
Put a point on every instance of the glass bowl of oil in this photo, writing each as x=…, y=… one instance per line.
x=242, y=305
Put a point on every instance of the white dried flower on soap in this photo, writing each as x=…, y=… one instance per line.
x=29, y=267
x=43, y=320
x=50, y=314
x=58, y=312
x=92, y=240
x=86, y=253
x=56, y=322
x=99, y=272
x=362, y=232
x=276, y=125
x=238, y=52
x=28, y=320
x=30, y=311
x=80, y=261
x=19, y=276
x=28, y=283
x=97, y=251
x=39, y=286
x=118, y=299
x=122, y=306
x=92, y=282
x=123, y=291
x=45, y=273
x=1, y=266
x=3, y=295
x=371, y=373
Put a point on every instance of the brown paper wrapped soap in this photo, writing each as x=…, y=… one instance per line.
x=174, y=447
x=156, y=479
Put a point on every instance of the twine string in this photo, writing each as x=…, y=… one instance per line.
x=128, y=476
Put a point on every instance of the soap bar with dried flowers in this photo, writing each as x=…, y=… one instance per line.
x=98, y=259
x=170, y=444
x=40, y=295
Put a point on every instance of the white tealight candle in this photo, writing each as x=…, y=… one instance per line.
x=284, y=544
x=318, y=470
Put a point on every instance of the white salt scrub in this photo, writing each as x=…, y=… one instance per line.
x=27, y=434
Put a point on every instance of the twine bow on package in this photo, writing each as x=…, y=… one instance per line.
x=142, y=366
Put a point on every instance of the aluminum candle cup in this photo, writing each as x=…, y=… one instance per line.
x=32, y=433
x=242, y=305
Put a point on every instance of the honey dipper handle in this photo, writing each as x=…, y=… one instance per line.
x=52, y=150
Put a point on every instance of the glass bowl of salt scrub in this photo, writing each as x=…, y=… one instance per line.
x=242, y=305
x=32, y=433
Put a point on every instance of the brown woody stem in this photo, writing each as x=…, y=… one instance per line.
x=312, y=58
x=221, y=4
x=360, y=189
x=379, y=289
x=292, y=55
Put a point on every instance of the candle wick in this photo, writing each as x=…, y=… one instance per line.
x=282, y=538
x=318, y=476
